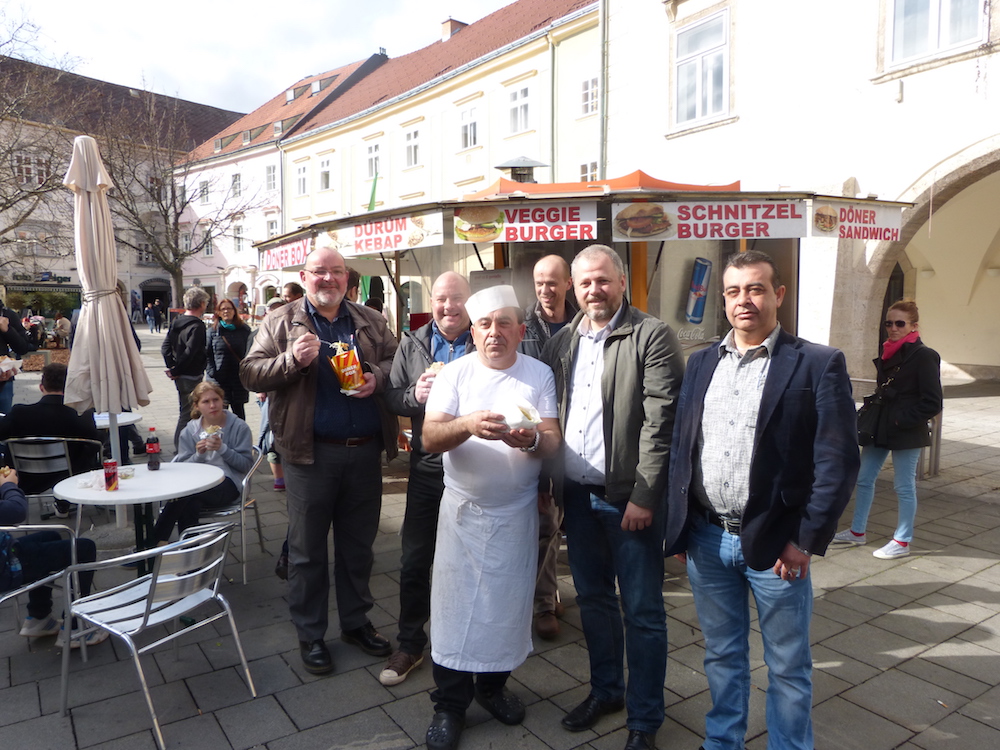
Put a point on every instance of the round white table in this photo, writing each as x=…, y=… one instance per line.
x=173, y=480
x=126, y=417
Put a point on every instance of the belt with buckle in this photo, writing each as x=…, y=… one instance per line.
x=730, y=525
x=352, y=442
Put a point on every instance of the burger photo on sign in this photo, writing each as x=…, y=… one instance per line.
x=825, y=218
x=642, y=220
x=478, y=223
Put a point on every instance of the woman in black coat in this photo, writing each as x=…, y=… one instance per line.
x=227, y=345
x=909, y=380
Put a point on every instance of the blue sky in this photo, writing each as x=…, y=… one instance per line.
x=233, y=55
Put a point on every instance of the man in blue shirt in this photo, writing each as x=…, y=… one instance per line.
x=331, y=443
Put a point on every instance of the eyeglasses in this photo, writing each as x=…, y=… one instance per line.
x=323, y=273
x=897, y=323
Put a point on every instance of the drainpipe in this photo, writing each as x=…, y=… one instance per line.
x=602, y=30
x=553, y=114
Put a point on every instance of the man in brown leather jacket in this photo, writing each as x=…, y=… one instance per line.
x=331, y=444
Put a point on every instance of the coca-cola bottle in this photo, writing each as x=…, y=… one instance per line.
x=152, y=450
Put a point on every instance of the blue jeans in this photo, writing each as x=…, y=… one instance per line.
x=721, y=583
x=6, y=396
x=904, y=481
x=46, y=552
x=599, y=553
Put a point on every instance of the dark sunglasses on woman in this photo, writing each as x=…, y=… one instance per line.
x=897, y=323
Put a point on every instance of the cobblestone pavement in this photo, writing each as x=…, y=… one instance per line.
x=907, y=652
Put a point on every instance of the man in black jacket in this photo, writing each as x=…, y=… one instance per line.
x=184, y=352
x=50, y=417
x=13, y=343
x=445, y=338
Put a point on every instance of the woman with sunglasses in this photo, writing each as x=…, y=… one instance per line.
x=909, y=380
x=227, y=344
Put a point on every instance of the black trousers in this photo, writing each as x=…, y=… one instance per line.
x=423, y=499
x=455, y=690
x=184, y=511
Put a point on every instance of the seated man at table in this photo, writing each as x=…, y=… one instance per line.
x=38, y=555
x=50, y=417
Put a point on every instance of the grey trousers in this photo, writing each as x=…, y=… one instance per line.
x=342, y=489
x=549, y=540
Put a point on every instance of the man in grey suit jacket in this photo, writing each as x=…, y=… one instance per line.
x=764, y=460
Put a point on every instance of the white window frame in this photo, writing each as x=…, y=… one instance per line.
x=938, y=17
x=469, y=129
x=704, y=92
x=588, y=171
x=203, y=192
x=324, y=175
x=301, y=180
x=237, y=238
x=413, y=148
x=209, y=248
x=29, y=169
x=272, y=228
x=373, y=160
x=236, y=185
x=520, y=110
x=270, y=177
x=185, y=242
x=589, y=96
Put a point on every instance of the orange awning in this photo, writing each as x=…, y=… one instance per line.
x=636, y=181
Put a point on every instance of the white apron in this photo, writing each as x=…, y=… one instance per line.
x=485, y=566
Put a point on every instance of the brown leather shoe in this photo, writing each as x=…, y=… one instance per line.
x=547, y=626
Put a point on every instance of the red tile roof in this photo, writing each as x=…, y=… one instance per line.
x=261, y=121
x=78, y=103
x=402, y=74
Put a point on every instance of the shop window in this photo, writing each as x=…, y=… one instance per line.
x=519, y=101
x=923, y=28
x=373, y=160
x=701, y=70
x=413, y=148
x=270, y=177
x=469, y=131
x=590, y=96
x=301, y=180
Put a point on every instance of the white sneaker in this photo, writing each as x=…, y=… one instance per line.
x=892, y=550
x=849, y=537
x=92, y=638
x=36, y=627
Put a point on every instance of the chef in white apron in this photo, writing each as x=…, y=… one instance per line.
x=493, y=416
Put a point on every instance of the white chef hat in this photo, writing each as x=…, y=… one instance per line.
x=482, y=303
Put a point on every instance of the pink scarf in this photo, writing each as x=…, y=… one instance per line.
x=889, y=348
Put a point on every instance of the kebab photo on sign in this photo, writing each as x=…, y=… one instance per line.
x=642, y=220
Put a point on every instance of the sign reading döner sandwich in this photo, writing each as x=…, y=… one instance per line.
x=388, y=234
x=856, y=221
x=708, y=220
x=546, y=222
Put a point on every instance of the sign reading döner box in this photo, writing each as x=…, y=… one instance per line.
x=546, y=222
x=388, y=234
x=856, y=221
x=708, y=220
x=287, y=255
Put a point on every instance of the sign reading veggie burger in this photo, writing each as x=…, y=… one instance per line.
x=546, y=222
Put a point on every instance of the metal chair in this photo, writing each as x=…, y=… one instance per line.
x=185, y=576
x=48, y=580
x=241, y=507
x=52, y=456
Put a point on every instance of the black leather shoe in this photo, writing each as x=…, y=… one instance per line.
x=281, y=567
x=368, y=640
x=587, y=713
x=316, y=657
x=444, y=731
x=504, y=706
x=640, y=740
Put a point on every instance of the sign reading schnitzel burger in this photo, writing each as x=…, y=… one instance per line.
x=707, y=220
x=547, y=222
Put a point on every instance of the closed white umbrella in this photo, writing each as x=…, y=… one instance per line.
x=105, y=371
